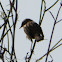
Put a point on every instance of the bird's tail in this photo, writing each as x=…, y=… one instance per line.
x=39, y=38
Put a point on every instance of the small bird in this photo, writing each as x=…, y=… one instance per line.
x=32, y=30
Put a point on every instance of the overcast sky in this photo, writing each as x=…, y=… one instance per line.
x=31, y=9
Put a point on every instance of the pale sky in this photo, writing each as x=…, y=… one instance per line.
x=31, y=9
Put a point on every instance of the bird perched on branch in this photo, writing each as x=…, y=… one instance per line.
x=32, y=30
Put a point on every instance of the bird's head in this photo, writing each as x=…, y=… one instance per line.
x=25, y=22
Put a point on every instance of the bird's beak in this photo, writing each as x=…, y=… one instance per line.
x=20, y=27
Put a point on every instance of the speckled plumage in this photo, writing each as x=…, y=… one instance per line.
x=32, y=30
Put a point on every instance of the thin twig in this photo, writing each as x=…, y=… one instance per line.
x=52, y=49
x=52, y=5
x=59, y=21
x=32, y=51
x=14, y=26
x=52, y=34
x=29, y=58
x=41, y=13
x=57, y=43
x=52, y=15
x=5, y=34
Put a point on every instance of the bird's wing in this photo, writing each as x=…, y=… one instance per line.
x=35, y=27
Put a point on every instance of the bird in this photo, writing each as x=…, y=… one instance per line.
x=32, y=30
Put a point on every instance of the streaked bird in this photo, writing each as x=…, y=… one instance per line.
x=32, y=30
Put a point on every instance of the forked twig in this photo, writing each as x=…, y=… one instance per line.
x=52, y=34
x=52, y=49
